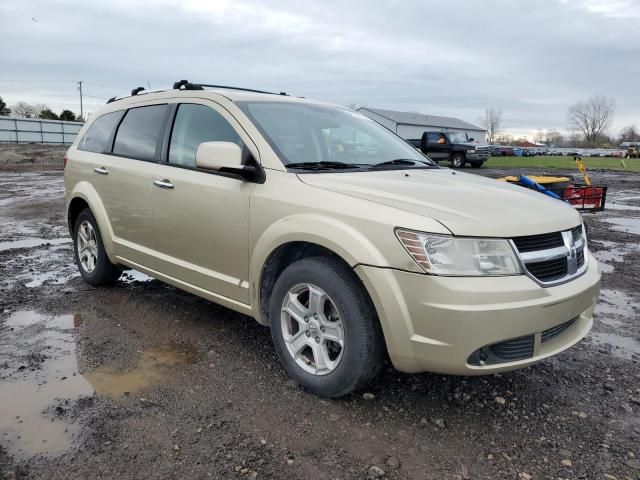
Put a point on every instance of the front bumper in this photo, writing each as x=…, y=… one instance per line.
x=477, y=157
x=438, y=324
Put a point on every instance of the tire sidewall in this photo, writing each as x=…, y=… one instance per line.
x=351, y=307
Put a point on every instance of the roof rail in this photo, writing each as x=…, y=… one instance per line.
x=186, y=85
x=198, y=86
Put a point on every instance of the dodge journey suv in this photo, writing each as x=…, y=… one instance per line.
x=351, y=245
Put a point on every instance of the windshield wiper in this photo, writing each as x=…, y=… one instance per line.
x=403, y=161
x=324, y=165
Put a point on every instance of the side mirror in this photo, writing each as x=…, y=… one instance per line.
x=224, y=157
x=218, y=155
x=471, y=139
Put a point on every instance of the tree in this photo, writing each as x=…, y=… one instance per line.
x=592, y=116
x=67, y=116
x=4, y=111
x=38, y=108
x=47, y=114
x=554, y=138
x=492, y=123
x=23, y=109
x=629, y=134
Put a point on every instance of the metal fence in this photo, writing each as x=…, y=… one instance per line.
x=37, y=130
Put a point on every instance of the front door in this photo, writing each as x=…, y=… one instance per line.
x=201, y=219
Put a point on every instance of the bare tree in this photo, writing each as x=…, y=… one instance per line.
x=38, y=108
x=554, y=138
x=23, y=109
x=629, y=134
x=540, y=136
x=592, y=116
x=492, y=123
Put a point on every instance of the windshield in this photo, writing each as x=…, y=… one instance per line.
x=457, y=137
x=329, y=136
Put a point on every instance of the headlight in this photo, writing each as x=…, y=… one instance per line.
x=471, y=151
x=464, y=257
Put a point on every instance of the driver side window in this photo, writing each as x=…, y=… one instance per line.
x=195, y=124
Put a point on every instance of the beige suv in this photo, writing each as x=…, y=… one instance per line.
x=318, y=222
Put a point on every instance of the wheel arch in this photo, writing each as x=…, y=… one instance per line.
x=85, y=196
x=291, y=240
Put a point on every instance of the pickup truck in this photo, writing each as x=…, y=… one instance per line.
x=456, y=147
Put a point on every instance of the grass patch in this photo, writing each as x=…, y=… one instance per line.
x=633, y=164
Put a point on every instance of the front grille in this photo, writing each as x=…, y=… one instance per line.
x=557, y=330
x=552, y=258
x=577, y=233
x=532, y=243
x=548, y=270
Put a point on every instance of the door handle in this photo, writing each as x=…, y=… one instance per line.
x=166, y=184
x=101, y=170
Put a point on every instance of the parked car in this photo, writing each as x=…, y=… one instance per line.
x=500, y=151
x=330, y=229
x=455, y=147
x=529, y=152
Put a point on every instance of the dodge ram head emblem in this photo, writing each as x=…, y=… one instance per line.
x=572, y=254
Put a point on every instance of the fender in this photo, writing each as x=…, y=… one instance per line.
x=87, y=192
x=342, y=239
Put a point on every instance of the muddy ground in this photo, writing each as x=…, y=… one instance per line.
x=144, y=381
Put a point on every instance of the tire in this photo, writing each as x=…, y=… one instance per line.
x=361, y=355
x=476, y=164
x=458, y=160
x=103, y=272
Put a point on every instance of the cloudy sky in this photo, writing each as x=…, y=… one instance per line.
x=530, y=58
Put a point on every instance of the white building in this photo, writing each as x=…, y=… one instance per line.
x=410, y=126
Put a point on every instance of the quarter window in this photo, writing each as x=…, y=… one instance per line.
x=97, y=137
x=194, y=125
x=139, y=132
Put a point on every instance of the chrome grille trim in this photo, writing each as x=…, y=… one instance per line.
x=573, y=250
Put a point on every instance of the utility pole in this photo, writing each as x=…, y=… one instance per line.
x=81, y=111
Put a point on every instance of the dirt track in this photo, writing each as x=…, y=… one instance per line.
x=144, y=381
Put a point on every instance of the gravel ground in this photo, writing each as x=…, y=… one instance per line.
x=144, y=381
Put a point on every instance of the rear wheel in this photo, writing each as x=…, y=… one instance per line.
x=458, y=160
x=325, y=328
x=91, y=257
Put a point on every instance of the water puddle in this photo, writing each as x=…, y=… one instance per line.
x=130, y=276
x=612, y=252
x=41, y=381
x=622, y=206
x=627, y=225
x=623, y=347
x=31, y=243
x=150, y=369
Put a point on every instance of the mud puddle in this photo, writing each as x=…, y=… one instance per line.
x=31, y=243
x=623, y=224
x=623, y=347
x=41, y=380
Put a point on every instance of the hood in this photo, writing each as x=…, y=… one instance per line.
x=464, y=203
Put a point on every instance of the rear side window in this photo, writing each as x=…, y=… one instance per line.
x=139, y=133
x=97, y=137
x=194, y=125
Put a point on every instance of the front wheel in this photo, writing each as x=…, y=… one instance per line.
x=324, y=327
x=91, y=256
x=458, y=160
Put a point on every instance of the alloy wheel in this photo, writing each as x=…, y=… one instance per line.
x=87, y=244
x=312, y=329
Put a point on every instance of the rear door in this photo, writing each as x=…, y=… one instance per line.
x=129, y=169
x=201, y=218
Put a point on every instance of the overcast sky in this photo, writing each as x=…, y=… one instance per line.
x=530, y=58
